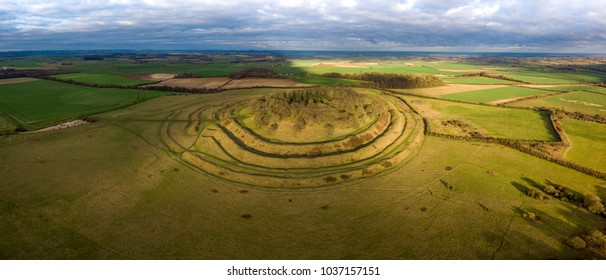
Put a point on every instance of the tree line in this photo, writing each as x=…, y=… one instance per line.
x=386, y=80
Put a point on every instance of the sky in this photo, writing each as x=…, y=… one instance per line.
x=355, y=25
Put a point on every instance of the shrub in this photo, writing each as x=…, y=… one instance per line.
x=595, y=239
x=537, y=194
x=576, y=242
x=593, y=204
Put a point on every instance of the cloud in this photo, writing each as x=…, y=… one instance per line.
x=458, y=25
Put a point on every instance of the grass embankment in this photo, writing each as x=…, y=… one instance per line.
x=100, y=79
x=40, y=103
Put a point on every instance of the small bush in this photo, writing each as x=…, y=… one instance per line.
x=595, y=239
x=593, y=204
x=576, y=242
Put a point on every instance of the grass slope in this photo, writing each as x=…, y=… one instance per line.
x=588, y=143
x=6, y=125
x=488, y=95
x=100, y=79
x=493, y=121
x=39, y=103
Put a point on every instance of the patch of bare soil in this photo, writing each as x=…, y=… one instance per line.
x=160, y=77
x=151, y=77
x=262, y=82
x=582, y=102
x=195, y=82
x=61, y=126
x=16, y=80
x=449, y=88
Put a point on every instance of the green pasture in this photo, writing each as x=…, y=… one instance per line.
x=495, y=121
x=39, y=103
x=488, y=95
x=549, y=77
x=588, y=143
x=478, y=81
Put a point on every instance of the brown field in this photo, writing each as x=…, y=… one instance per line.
x=16, y=80
x=262, y=82
x=196, y=82
x=227, y=83
x=448, y=88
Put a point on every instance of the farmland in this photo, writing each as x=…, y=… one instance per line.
x=488, y=95
x=588, y=143
x=100, y=79
x=491, y=121
x=278, y=161
x=576, y=101
x=39, y=103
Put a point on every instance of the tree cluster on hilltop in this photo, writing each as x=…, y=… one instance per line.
x=330, y=107
x=383, y=80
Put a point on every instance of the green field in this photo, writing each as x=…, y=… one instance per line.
x=40, y=103
x=537, y=77
x=381, y=67
x=64, y=211
x=100, y=79
x=595, y=89
x=478, y=81
x=493, y=121
x=588, y=143
x=488, y=95
x=581, y=101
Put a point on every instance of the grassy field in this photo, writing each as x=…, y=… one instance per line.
x=488, y=95
x=40, y=103
x=64, y=211
x=6, y=125
x=491, y=121
x=100, y=79
x=536, y=77
x=588, y=143
x=328, y=66
x=190, y=177
x=478, y=81
x=581, y=101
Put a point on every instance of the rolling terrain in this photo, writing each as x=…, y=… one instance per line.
x=291, y=166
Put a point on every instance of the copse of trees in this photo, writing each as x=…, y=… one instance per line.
x=188, y=75
x=253, y=72
x=332, y=108
x=382, y=80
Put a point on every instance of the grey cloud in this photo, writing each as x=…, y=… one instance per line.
x=310, y=24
